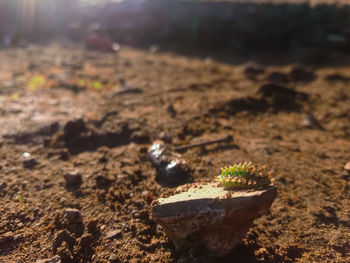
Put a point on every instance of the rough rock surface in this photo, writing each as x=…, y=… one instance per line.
x=211, y=216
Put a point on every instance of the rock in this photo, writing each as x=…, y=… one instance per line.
x=72, y=215
x=113, y=258
x=347, y=166
x=55, y=259
x=29, y=163
x=114, y=234
x=310, y=122
x=171, y=168
x=73, y=179
x=171, y=110
x=126, y=90
x=92, y=225
x=210, y=216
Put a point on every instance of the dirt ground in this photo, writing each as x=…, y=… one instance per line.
x=62, y=104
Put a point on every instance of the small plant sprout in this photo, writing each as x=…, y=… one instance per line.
x=244, y=175
x=20, y=198
x=36, y=82
x=97, y=85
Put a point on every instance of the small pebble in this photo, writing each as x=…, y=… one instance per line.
x=114, y=234
x=73, y=179
x=26, y=155
x=55, y=259
x=72, y=215
x=310, y=122
x=347, y=166
x=30, y=163
x=113, y=258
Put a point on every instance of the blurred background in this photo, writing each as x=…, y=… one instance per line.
x=258, y=25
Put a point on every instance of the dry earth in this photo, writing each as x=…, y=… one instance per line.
x=60, y=104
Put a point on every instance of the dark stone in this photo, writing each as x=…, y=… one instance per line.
x=72, y=215
x=73, y=179
x=171, y=111
x=30, y=163
x=171, y=168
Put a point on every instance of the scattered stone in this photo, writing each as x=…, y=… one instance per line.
x=73, y=179
x=171, y=110
x=114, y=234
x=211, y=216
x=310, y=122
x=29, y=162
x=72, y=215
x=126, y=90
x=171, y=168
x=113, y=258
x=92, y=225
x=347, y=166
x=55, y=259
x=26, y=155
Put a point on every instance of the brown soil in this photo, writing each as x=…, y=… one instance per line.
x=68, y=123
